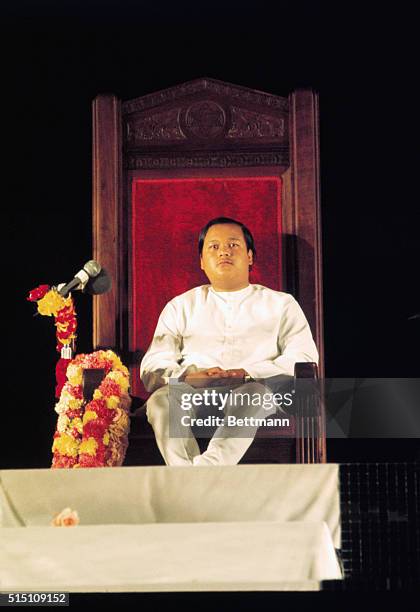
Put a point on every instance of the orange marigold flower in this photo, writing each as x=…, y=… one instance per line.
x=110, y=387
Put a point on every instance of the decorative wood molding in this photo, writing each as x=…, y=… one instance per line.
x=212, y=159
x=249, y=124
x=206, y=124
x=156, y=128
x=213, y=86
x=205, y=119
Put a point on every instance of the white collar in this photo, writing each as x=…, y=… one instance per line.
x=232, y=295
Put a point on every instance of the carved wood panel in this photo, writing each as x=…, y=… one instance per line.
x=240, y=128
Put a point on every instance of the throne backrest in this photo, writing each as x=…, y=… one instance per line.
x=166, y=163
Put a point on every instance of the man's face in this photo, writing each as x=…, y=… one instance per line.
x=225, y=258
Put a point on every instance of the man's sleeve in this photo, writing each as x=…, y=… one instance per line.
x=161, y=361
x=295, y=344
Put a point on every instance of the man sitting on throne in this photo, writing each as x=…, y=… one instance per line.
x=222, y=342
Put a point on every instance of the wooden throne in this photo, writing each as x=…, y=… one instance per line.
x=166, y=163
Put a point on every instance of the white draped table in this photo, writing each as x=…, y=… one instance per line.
x=247, y=527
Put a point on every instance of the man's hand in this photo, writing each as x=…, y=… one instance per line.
x=205, y=378
x=217, y=372
x=211, y=377
x=238, y=373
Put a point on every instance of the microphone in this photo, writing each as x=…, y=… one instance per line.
x=90, y=270
x=99, y=284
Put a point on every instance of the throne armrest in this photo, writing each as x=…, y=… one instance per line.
x=306, y=370
x=309, y=414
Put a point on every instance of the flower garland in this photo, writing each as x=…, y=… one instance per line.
x=95, y=435
x=51, y=303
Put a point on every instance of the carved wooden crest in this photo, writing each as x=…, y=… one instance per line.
x=240, y=126
x=154, y=128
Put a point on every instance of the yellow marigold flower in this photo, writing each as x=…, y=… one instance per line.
x=89, y=416
x=89, y=446
x=74, y=403
x=116, y=361
x=112, y=402
x=122, y=369
x=51, y=303
x=105, y=439
x=75, y=374
x=120, y=379
x=97, y=394
x=66, y=445
x=77, y=423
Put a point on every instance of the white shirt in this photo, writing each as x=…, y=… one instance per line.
x=258, y=329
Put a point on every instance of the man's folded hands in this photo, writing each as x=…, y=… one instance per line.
x=213, y=377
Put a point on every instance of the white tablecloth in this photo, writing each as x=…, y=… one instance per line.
x=160, y=494
x=256, y=556
x=157, y=528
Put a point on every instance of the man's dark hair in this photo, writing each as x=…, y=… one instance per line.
x=224, y=220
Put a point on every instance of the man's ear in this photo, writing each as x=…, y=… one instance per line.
x=201, y=263
x=250, y=257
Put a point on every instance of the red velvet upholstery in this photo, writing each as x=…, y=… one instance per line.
x=167, y=215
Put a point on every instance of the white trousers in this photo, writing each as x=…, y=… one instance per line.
x=222, y=449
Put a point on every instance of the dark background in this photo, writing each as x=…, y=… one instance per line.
x=57, y=56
